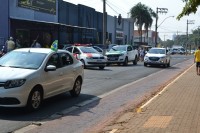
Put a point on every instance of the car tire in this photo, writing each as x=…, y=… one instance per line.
x=125, y=61
x=101, y=67
x=145, y=64
x=83, y=63
x=135, y=61
x=34, y=100
x=168, y=65
x=75, y=92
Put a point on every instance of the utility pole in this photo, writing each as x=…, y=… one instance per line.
x=188, y=22
x=158, y=10
x=104, y=26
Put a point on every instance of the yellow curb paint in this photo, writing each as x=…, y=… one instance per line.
x=138, y=110
x=113, y=131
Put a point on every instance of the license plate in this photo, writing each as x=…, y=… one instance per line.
x=112, y=59
x=99, y=60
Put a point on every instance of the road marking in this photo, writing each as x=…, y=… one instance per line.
x=113, y=131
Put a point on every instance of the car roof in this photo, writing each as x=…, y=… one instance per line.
x=38, y=50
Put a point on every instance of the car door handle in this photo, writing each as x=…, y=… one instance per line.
x=61, y=74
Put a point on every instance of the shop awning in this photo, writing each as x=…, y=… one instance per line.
x=54, y=23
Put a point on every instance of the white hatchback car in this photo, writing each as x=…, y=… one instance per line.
x=157, y=56
x=30, y=75
x=88, y=56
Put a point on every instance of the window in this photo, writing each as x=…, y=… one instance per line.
x=54, y=60
x=66, y=59
x=130, y=48
x=76, y=51
x=69, y=49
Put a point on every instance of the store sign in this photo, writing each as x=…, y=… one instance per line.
x=46, y=6
x=119, y=34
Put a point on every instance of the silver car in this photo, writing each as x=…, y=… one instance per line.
x=157, y=56
x=30, y=75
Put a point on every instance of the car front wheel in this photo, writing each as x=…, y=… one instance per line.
x=77, y=88
x=135, y=61
x=83, y=63
x=101, y=67
x=34, y=100
x=125, y=62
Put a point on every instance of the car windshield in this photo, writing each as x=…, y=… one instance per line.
x=88, y=50
x=118, y=48
x=18, y=59
x=157, y=51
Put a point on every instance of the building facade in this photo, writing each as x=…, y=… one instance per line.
x=46, y=21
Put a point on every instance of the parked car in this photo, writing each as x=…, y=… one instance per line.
x=88, y=56
x=122, y=54
x=30, y=75
x=157, y=56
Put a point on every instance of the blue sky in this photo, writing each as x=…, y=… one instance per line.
x=166, y=30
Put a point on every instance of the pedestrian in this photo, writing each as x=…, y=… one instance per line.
x=141, y=54
x=10, y=44
x=197, y=60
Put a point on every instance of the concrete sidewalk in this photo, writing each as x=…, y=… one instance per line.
x=174, y=110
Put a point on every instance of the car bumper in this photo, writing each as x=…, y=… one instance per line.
x=13, y=97
x=161, y=62
x=116, y=60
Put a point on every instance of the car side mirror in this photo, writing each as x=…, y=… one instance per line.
x=50, y=68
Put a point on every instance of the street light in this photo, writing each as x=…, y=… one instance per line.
x=158, y=10
x=188, y=22
x=104, y=27
x=164, y=20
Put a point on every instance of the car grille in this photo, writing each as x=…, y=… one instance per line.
x=154, y=58
x=9, y=101
x=2, y=84
x=97, y=57
x=113, y=56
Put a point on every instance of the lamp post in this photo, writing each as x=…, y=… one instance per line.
x=158, y=10
x=104, y=27
x=188, y=22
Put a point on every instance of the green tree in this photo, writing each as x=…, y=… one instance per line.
x=190, y=7
x=142, y=16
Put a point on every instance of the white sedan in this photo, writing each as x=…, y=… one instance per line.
x=157, y=56
x=30, y=75
x=88, y=56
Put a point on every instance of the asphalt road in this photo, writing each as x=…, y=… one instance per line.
x=96, y=82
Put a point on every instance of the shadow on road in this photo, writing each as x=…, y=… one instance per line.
x=49, y=107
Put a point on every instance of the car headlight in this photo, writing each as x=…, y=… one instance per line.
x=121, y=54
x=162, y=57
x=14, y=83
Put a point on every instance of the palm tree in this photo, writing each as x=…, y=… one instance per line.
x=143, y=17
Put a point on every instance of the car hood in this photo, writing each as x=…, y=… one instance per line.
x=115, y=52
x=8, y=73
x=155, y=55
x=93, y=55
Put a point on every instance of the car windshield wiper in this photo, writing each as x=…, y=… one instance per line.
x=15, y=66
